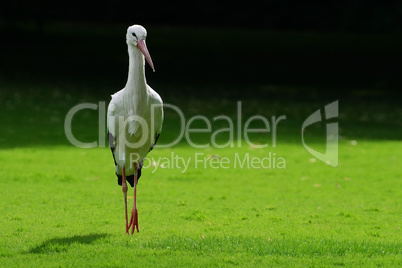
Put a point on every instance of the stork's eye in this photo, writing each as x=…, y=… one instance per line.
x=134, y=35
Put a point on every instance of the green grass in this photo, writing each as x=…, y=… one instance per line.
x=61, y=205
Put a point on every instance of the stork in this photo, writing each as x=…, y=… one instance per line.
x=134, y=120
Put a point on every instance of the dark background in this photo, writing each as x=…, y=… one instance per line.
x=352, y=15
x=284, y=49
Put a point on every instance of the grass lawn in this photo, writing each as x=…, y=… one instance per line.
x=61, y=206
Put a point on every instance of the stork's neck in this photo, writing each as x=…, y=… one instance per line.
x=136, y=87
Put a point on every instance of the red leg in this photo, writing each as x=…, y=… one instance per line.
x=134, y=213
x=124, y=188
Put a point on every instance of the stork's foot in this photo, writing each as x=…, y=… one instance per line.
x=133, y=221
x=127, y=228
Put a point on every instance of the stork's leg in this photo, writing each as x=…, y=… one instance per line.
x=134, y=213
x=124, y=188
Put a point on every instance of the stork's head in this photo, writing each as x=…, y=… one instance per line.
x=136, y=35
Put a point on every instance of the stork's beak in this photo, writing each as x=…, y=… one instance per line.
x=143, y=48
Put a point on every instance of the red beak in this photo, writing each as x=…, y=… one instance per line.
x=143, y=48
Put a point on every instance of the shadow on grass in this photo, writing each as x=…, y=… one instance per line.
x=62, y=244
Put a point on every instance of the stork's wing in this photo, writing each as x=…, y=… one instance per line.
x=156, y=139
x=114, y=110
x=156, y=102
x=112, y=144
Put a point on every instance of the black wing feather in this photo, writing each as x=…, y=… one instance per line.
x=156, y=139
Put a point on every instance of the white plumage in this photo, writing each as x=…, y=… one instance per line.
x=134, y=116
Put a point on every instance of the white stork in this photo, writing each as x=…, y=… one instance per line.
x=134, y=119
